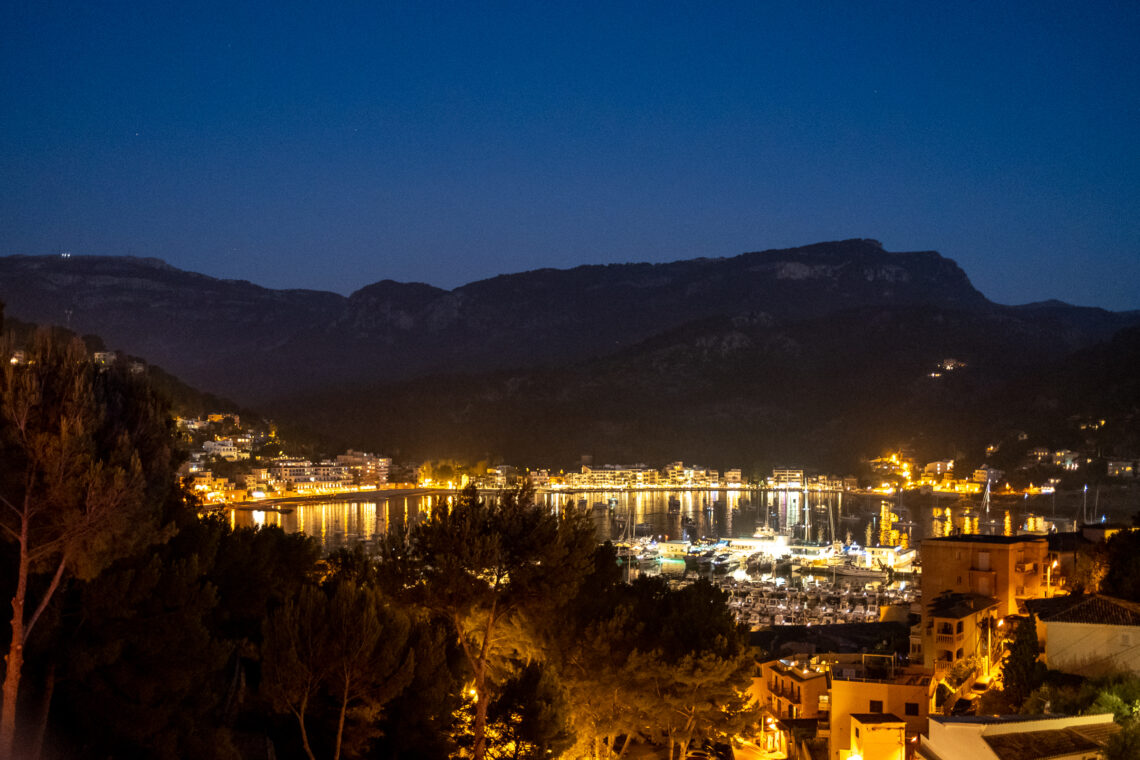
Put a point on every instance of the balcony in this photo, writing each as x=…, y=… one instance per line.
x=791, y=695
x=1025, y=567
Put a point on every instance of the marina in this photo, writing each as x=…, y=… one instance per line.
x=797, y=586
x=785, y=556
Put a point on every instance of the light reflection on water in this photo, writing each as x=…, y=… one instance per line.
x=714, y=513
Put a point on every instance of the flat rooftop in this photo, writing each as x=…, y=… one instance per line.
x=977, y=538
x=870, y=718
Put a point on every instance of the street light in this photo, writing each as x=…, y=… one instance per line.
x=990, y=647
x=1049, y=579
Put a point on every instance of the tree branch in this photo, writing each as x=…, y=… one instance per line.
x=11, y=506
x=47, y=596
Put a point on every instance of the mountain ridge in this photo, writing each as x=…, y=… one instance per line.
x=250, y=342
x=630, y=357
x=825, y=350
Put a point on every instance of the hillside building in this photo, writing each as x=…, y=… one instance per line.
x=793, y=687
x=956, y=627
x=1121, y=468
x=859, y=703
x=1010, y=568
x=1089, y=635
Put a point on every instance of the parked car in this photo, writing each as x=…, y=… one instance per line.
x=964, y=706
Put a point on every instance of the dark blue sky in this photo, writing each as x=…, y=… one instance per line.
x=330, y=145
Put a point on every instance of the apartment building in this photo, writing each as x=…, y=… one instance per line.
x=611, y=476
x=792, y=687
x=369, y=468
x=958, y=626
x=1010, y=568
x=788, y=478
x=859, y=701
x=875, y=685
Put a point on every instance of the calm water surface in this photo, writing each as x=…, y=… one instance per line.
x=713, y=513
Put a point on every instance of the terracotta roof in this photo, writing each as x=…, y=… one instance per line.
x=1091, y=608
x=1041, y=745
x=959, y=605
x=986, y=720
x=1098, y=732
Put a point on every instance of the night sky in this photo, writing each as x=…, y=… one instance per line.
x=330, y=145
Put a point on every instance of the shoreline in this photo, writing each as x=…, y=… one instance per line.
x=274, y=504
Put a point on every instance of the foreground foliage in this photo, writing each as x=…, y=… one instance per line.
x=74, y=491
x=493, y=628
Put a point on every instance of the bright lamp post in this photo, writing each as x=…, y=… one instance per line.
x=989, y=646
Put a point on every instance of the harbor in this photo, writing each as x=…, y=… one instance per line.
x=772, y=582
x=784, y=556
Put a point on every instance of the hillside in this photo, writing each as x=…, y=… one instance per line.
x=822, y=353
x=252, y=342
x=829, y=391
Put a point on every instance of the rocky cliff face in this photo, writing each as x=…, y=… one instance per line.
x=237, y=338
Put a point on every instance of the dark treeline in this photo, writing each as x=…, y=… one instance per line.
x=138, y=629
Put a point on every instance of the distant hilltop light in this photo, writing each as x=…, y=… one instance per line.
x=65, y=255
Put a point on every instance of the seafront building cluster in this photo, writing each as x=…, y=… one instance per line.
x=228, y=463
x=854, y=661
x=220, y=439
x=862, y=652
x=857, y=701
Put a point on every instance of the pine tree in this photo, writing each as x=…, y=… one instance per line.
x=1021, y=673
x=74, y=493
x=347, y=652
x=487, y=566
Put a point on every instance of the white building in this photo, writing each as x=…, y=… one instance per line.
x=1089, y=635
x=613, y=476
x=788, y=478
x=939, y=468
x=226, y=449
x=371, y=469
x=1077, y=737
x=304, y=476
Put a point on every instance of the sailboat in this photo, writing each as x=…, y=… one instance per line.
x=985, y=509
